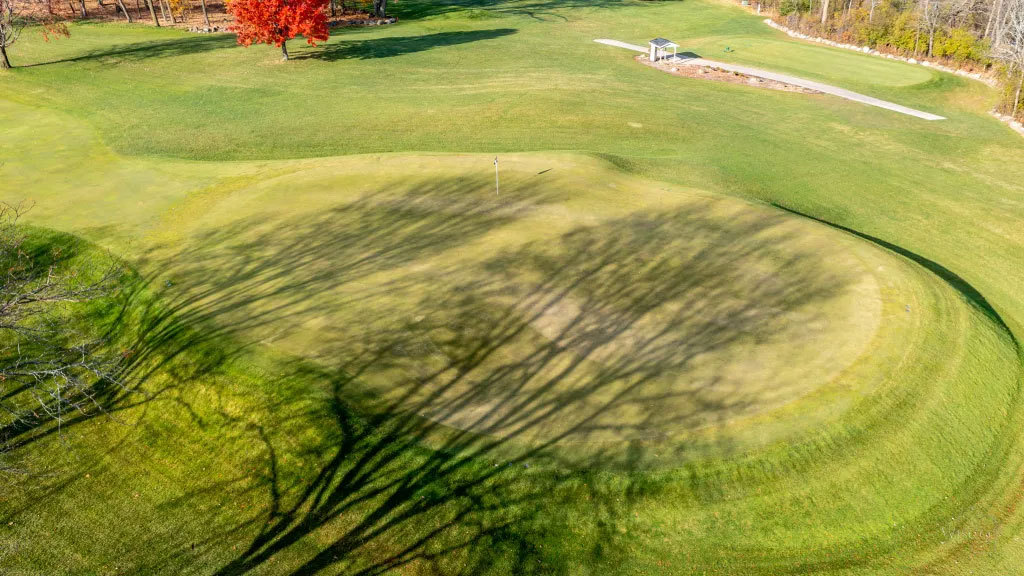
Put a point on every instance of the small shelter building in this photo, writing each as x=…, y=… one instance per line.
x=660, y=47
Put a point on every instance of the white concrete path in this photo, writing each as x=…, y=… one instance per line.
x=795, y=81
x=618, y=44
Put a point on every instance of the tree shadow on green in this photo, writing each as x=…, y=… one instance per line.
x=147, y=50
x=477, y=460
x=397, y=484
x=969, y=292
x=542, y=10
x=391, y=46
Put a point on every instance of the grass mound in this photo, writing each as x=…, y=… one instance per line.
x=258, y=431
x=548, y=314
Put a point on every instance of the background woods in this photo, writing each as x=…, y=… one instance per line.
x=202, y=14
x=970, y=34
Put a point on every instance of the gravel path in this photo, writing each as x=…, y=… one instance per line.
x=787, y=79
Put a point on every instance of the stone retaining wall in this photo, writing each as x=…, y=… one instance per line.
x=1009, y=120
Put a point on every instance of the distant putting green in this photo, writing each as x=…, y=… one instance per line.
x=702, y=328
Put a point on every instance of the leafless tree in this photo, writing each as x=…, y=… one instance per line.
x=120, y=7
x=959, y=13
x=152, y=13
x=933, y=16
x=206, y=16
x=13, y=18
x=1010, y=48
x=993, y=27
x=49, y=369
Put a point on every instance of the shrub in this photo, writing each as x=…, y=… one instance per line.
x=961, y=46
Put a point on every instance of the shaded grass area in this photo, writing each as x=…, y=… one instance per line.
x=619, y=332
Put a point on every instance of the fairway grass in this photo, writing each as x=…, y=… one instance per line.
x=737, y=332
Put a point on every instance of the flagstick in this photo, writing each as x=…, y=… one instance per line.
x=497, y=188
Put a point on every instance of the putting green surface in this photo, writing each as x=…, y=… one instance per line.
x=576, y=307
x=355, y=356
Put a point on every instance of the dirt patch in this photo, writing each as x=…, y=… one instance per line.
x=681, y=68
x=359, y=19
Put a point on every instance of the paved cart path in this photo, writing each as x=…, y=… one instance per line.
x=793, y=80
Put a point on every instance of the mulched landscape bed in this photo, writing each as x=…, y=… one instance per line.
x=717, y=74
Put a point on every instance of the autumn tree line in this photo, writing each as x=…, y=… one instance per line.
x=975, y=34
x=254, y=21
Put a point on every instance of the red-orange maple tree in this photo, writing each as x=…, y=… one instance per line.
x=276, y=21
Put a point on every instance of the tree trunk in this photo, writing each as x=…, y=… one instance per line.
x=152, y=13
x=206, y=17
x=824, y=12
x=5, y=63
x=931, y=41
x=81, y=6
x=124, y=9
x=284, y=50
x=334, y=10
x=1016, y=98
x=993, y=16
x=871, y=13
x=163, y=11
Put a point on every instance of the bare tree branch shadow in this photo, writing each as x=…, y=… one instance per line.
x=393, y=46
x=545, y=365
x=137, y=51
x=542, y=10
x=523, y=379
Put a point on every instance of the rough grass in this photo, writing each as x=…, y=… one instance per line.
x=279, y=433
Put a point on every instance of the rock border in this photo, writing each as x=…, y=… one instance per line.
x=1010, y=121
x=205, y=30
x=868, y=50
x=363, y=22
